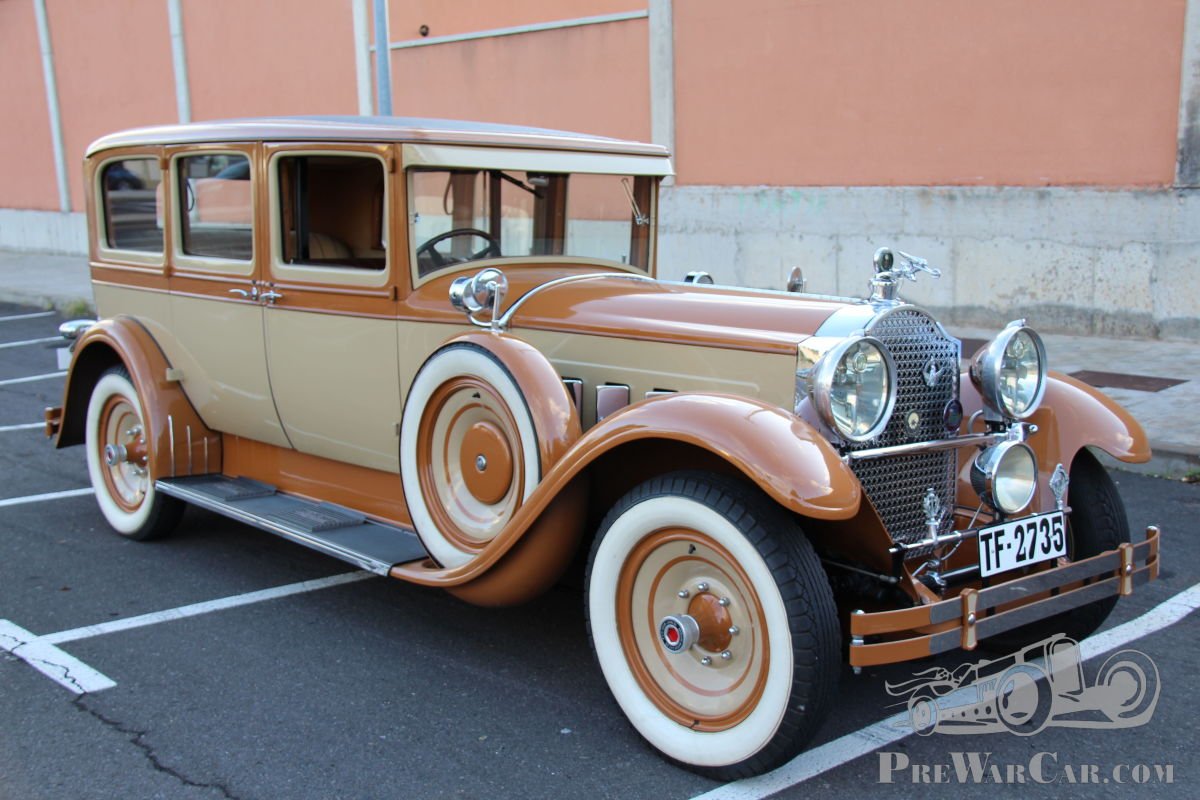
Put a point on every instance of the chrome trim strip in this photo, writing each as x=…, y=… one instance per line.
x=506, y=318
x=966, y=440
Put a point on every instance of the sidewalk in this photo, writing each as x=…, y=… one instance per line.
x=1158, y=381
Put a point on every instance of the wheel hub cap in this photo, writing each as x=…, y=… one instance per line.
x=678, y=632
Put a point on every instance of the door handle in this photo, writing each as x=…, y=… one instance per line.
x=270, y=296
x=248, y=295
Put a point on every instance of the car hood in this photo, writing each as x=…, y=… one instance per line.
x=715, y=316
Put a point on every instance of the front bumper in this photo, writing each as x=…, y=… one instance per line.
x=888, y=637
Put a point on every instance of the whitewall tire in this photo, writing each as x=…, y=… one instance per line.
x=713, y=623
x=468, y=452
x=118, y=461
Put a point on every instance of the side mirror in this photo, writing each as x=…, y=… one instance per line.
x=485, y=289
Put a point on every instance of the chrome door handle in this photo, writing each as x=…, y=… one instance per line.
x=249, y=295
x=270, y=296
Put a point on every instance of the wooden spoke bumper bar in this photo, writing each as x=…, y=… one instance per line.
x=887, y=637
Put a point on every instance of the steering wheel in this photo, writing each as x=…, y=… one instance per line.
x=430, y=247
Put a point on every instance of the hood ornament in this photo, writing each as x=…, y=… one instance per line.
x=890, y=267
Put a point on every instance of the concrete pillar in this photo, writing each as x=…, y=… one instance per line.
x=362, y=55
x=1187, y=164
x=56, y=137
x=662, y=74
x=183, y=92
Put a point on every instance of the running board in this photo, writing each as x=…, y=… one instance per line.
x=326, y=528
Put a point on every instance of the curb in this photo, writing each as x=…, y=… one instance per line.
x=1172, y=461
x=60, y=303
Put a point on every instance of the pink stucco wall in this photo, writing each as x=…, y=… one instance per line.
x=27, y=177
x=113, y=61
x=593, y=79
x=1024, y=92
x=270, y=57
x=466, y=16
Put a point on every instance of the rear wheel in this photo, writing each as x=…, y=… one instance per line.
x=713, y=623
x=118, y=458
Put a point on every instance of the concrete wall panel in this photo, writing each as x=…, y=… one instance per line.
x=928, y=92
x=1114, y=263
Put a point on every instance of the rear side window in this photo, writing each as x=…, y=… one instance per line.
x=216, y=206
x=331, y=211
x=132, y=205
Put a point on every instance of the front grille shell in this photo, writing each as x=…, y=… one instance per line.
x=896, y=485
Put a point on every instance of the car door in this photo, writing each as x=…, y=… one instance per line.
x=216, y=249
x=330, y=301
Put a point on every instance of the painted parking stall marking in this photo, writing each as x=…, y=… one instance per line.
x=45, y=377
x=41, y=498
x=831, y=755
x=28, y=342
x=43, y=654
x=35, y=315
x=28, y=426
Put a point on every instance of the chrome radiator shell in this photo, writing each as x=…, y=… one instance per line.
x=896, y=485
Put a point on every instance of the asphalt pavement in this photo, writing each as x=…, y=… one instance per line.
x=372, y=688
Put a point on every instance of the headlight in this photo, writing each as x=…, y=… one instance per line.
x=1005, y=476
x=853, y=388
x=1011, y=371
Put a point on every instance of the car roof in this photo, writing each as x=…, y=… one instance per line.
x=370, y=129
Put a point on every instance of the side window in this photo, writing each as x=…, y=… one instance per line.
x=216, y=206
x=129, y=191
x=331, y=211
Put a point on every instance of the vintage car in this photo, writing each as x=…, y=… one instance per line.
x=439, y=351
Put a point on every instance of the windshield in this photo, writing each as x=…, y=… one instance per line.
x=468, y=215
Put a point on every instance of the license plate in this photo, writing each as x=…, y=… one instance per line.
x=1021, y=542
x=64, y=357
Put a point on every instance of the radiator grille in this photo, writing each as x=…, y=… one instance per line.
x=897, y=485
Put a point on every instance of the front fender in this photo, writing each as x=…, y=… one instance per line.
x=180, y=443
x=1072, y=416
x=785, y=456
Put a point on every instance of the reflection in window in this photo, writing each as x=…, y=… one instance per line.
x=130, y=196
x=331, y=211
x=216, y=206
x=467, y=215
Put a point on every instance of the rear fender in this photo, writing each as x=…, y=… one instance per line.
x=180, y=443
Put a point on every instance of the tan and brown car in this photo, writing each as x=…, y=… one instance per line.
x=440, y=352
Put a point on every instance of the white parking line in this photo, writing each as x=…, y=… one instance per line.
x=72, y=674
x=62, y=668
x=12, y=317
x=44, y=377
x=28, y=342
x=41, y=498
x=28, y=426
x=207, y=607
x=865, y=741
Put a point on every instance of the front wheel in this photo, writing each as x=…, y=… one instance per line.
x=118, y=459
x=713, y=623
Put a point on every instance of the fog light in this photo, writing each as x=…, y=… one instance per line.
x=1005, y=476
